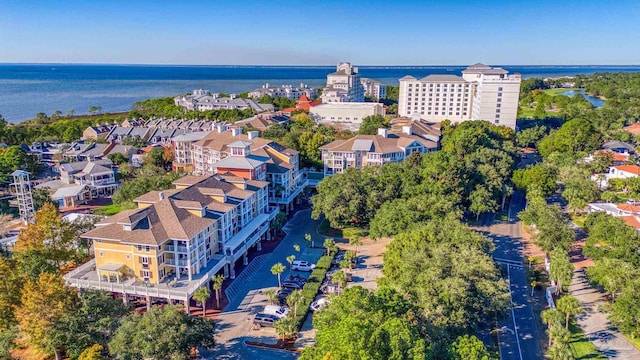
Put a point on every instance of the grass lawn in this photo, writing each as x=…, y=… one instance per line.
x=579, y=219
x=554, y=92
x=635, y=342
x=347, y=232
x=108, y=210
x=581, y=347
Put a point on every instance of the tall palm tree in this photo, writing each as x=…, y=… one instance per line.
x=285, y=327
x=202, y=295
x=560, y=352
x=569, y=306
x=217, y=286
x=559, y=335
x=329, y=243
x=294, y=299
x=272, y=295
x=291, y=259
x=553, y=319
x=340, y=278
x=355, y=241
x=278, y=269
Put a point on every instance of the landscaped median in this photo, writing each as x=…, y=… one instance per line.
x=312, y=287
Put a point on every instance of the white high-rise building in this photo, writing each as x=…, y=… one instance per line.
x=482, y=93
x=374, y=88
x=343, y=85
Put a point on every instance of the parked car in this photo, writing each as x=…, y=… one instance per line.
x=279, y=311
x=330, y=273
x=283, y=294
x=319, y=304
x=338, y=258
x=296, y=278
x=302, y=265
x=264, y=320
x=292, y=285
x=330, y=288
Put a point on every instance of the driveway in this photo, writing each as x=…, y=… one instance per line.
x=234, y=324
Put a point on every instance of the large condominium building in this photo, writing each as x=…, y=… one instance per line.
x=374, y=88
x=201, y=100
x=343, y=85
x=482, y=93
x=369, y=150
x=251, y=157
x=285, y=91
x=347, y=114
x=177, y=239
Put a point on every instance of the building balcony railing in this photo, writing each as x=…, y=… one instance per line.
x=180, y=249
x=179, y=262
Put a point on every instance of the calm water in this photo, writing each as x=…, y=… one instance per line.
x=26, y=89
x=597, y=102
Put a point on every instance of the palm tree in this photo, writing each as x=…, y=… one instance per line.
x=217, y=286
x=202, y=295
x=291, y=259
x=296, y=247
x=560, y=352
x=278, y=269
x=285, y=327
x=559, y=335
x=355, y=241
x=329, y=243
x=553, y=319
x=272, y=295
x=278, y=222
x=308, y=239
x=294, y=299
x=569, y=306
x=340, y=278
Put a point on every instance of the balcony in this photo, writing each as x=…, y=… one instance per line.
x=179, y=262
x=171, y=248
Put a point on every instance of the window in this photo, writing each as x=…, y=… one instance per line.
x=101, y=254
x=147, y=248
x=139, y=247
x=497, y=111
x=499, y=100
x=497, y=121
x=499, y=94
x=128, y=256
x=500, y=89
x=498, y=105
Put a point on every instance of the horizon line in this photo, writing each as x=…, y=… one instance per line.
x=309, y=65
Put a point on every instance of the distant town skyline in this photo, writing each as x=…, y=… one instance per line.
x=295, y=33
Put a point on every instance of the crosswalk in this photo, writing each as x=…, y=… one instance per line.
x=235, y=288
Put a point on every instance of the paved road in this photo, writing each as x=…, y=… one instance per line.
x=234, y=325
x=519, y=337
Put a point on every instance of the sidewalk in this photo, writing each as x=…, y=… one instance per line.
x=595, y=324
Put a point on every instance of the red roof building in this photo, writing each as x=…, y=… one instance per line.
x=303, y=104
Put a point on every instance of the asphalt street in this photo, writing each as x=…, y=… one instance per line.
x=518, y=336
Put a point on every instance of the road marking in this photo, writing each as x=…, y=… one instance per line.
x=513, y=315
x=507, y=261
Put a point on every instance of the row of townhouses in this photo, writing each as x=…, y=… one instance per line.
x=285, y=91
x=202, y=100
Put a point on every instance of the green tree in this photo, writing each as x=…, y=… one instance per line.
x=271, y=295
x=92, y=353
x=291, y=259
x=613, y=274
x=469, y=347
x=611, y=237
x=286, y=328
x=541, y=175
x=118, y=158
x=371, y=124
x=294, y=300
x=355, y=241
x=329, y=244
x=217, y=281
x=553, y=319
x=569, y=306
x=625, y=313
x=579, y=191
x=202, y=295
x=361, y=324
x=278, y=269
x=561, y=268
x=340, y=278
x=560, y=352
x=481, y=201
x=174, y=334
x=154, y=157
x=309, y=239
x=444, y=268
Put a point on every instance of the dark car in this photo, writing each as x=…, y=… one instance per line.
x=283, y=294
x=264, y=320
x=292, y=285
x=296, y=278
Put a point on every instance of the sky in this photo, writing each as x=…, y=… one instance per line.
x=282, y=32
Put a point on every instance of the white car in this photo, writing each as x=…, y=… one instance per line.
x=319, y=304
x=279, y=311
x=302, y=266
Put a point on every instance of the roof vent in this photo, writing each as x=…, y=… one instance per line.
x=161, y=195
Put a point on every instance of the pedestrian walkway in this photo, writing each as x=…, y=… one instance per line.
x=595, y=324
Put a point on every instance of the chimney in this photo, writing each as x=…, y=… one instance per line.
x=161, y=195
x=236, y=131
x=253, y=134
x=407, y=130
x=382, y=132
x=232, y=96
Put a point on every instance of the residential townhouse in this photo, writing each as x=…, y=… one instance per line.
x=285, y=91
x=374, y=88
x=183, y=145
x=370, y=150
x=97, y=132
x=177, y=239
x=202, y=100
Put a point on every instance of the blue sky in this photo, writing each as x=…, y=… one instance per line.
x=321, y=32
